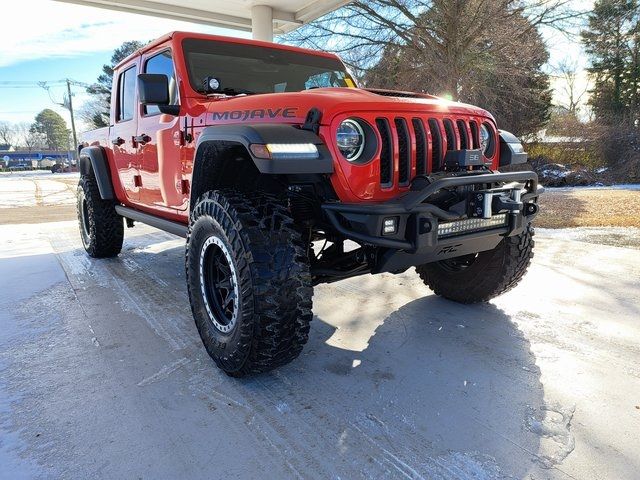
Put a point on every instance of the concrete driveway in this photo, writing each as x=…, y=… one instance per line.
x=103, y=375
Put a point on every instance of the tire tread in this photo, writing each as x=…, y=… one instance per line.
x=106, y=229
x=277, y=289
x=504, y=267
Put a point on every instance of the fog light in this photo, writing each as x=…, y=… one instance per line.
x=390, y=226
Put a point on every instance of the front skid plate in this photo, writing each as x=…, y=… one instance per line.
x=399, y=260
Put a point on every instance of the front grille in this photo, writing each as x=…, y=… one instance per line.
x=437, y=147
x=450, y=135
x=404, y=151
x=464, y=135
x=419, y=145
x=386, y=152
x=475, y=134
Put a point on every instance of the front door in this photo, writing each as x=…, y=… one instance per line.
x=122, y=134
x=161, y=141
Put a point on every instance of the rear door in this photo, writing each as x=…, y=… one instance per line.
x=123, y=131
x=160, y=140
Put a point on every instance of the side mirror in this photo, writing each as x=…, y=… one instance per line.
x=153, y=89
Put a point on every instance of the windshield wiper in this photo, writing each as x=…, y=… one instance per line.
x=238, y=91
x=229, y=91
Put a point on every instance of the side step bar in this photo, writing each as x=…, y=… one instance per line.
x=160, y=223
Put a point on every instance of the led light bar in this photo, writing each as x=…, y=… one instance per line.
x=468, y=225
x=285, y=150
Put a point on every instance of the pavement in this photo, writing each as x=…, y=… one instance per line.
x=103, y=375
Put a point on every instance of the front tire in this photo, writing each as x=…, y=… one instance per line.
x=101, y=228
x=482, y=276
x=248, y=280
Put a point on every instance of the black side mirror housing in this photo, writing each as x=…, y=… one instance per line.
x=153, y=89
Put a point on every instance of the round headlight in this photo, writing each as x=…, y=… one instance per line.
x=487, y=140
x=485, y=137
x=350, y=139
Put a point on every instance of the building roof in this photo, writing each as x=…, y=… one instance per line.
x=287, y=15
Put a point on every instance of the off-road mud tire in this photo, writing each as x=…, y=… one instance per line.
x=272, y=272
x=101, y=228
x=490, y=274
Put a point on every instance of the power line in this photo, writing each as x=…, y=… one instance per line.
x=19, y=82
x=38, y=84
x=66, y=103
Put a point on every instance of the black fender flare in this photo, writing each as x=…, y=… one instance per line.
x=264, y=133
x=94, y=159
x=511, y=149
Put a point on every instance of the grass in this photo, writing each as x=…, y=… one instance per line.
x=589, y=208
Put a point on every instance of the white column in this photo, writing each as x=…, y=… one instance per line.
x=262, y=23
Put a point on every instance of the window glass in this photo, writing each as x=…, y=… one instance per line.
x=163, y=64
x=257, y=69
x=127, y=93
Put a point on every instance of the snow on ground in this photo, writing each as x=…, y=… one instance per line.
x=38, y=174
x=619, y=186
x=17, y=192
x=31, y=188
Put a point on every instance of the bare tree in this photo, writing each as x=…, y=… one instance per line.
x=486, y=52
x=7, y=133
x=28, y=138
x=573, y=91
x=361, y=30
x=92, y=111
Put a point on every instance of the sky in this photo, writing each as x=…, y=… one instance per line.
x=44, y=40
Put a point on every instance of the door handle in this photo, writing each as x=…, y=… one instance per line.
x=117, y=141
x=142, y=139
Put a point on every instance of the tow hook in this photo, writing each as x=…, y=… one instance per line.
x=510, y=203
x=484, y=204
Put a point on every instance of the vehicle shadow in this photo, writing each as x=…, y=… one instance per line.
x=441, y=387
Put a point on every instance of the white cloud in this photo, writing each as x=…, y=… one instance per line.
x=34, y=29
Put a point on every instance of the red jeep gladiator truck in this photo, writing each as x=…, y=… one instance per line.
x=282, y=174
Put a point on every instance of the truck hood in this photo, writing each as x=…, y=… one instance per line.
x=293, y=107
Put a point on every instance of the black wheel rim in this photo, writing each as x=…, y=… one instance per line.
x=458, y=264
x=219, y=284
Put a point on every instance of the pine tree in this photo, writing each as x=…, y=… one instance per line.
x=53, y=128
x=612, y=43
x=96, y=112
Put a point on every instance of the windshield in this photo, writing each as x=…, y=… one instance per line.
x=256, y=69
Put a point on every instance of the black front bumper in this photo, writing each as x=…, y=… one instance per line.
x=427, y=233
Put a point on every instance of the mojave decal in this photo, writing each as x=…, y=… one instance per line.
x=286, y=112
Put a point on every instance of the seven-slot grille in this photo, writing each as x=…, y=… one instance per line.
x=432, y=138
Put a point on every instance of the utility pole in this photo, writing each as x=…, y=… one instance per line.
x=68, y=104
x=73, y=122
